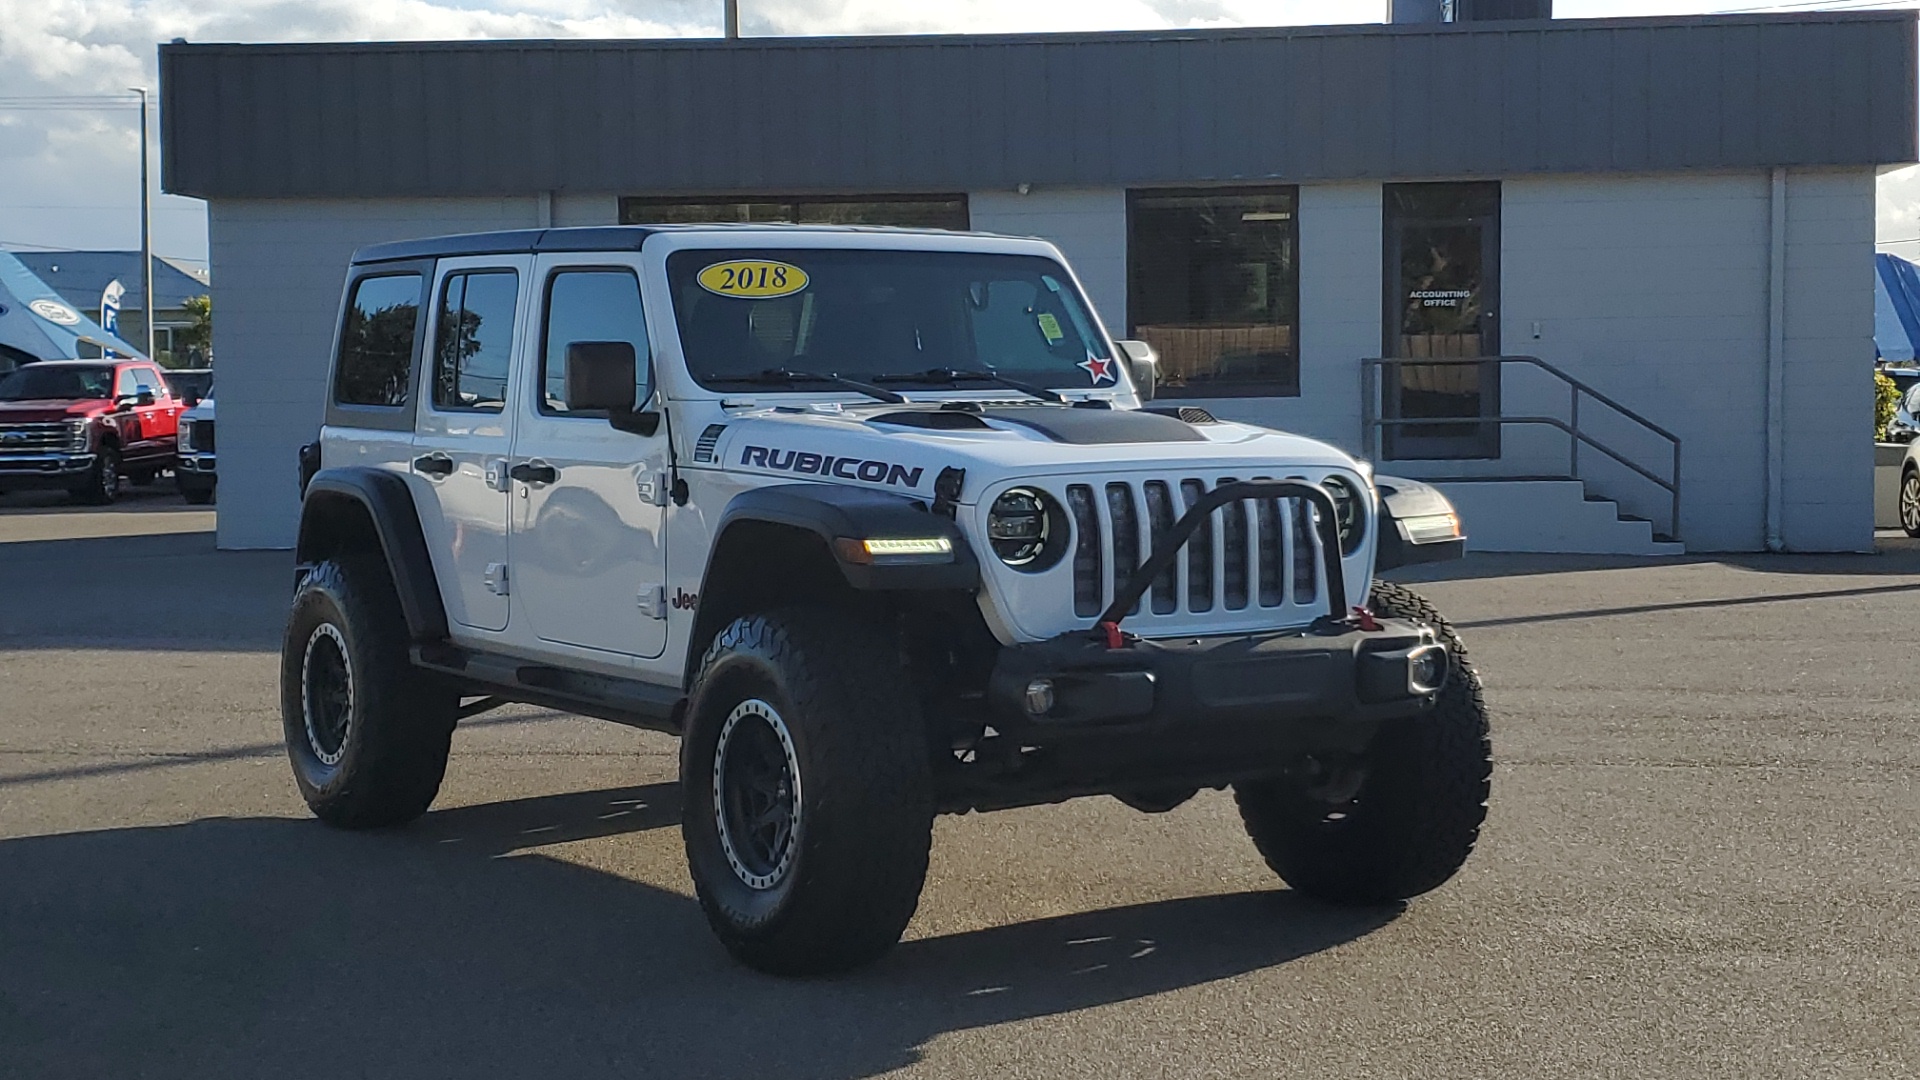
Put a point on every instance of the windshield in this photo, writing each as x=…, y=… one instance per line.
x=67, y=383
x=189, y=383
x=890, y=315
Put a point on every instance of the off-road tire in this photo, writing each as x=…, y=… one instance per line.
x=386, y=766
x=864, y=825
x=196, y=492
x=102, y=483
x=1416, y=814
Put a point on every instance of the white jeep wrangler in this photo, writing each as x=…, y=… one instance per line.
x=877, y=522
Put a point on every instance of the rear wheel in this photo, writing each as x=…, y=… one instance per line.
x=807, y=792
x=367, y=733
x=1400, y=819
x=101, y=486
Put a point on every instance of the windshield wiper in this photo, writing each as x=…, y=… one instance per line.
x=954, y=375
x=789, y=376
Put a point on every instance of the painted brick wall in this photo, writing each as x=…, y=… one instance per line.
x=1828, y=479
x=278, y=267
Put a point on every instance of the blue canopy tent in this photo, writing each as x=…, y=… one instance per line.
x=35, y=324
x=1896, y=307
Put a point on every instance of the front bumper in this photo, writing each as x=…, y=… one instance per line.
x=47, y=470
x=1074, y=685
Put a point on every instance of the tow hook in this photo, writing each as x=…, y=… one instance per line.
x=1364, y=619
x=1110, y=631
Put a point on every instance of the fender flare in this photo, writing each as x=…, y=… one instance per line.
x=835, y=512
x=1402, y=500
x=388, y=504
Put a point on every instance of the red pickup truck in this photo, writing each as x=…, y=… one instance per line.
x=82, y=425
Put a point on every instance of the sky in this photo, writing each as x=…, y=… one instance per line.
x=69, y=160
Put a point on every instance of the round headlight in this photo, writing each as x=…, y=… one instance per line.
x=1024, y=529
x=1348, y=515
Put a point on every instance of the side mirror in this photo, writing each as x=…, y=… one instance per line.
x=1143, y=363
x=143, y=399
x=602, y=376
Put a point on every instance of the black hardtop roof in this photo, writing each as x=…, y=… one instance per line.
x=585, y=238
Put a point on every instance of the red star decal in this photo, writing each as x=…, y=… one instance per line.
x=1099, y=368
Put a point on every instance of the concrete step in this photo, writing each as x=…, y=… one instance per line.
x=1549, y=516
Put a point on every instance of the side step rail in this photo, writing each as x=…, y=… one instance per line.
x=606, y=697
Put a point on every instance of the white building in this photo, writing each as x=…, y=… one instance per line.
x=1676, y=213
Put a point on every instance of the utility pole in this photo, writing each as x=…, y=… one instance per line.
x=733, y=19
x=146, y=226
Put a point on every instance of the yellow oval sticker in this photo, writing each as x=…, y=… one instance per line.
x=753, y=278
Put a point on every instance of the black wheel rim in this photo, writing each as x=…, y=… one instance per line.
x=326, y=692
x=109, y=476
x=1910, y=503
x=1331, y=791
x=756, y=794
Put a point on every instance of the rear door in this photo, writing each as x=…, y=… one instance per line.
x=589, y=500
x=463, y=432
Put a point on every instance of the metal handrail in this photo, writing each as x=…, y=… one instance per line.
x=1372, y=423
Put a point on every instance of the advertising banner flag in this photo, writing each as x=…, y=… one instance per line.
x=110, y=309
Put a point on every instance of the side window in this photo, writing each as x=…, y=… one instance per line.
x=590, y=305
x=473, y=342
x=376, y=342
x=148, y=380
x=125, y=385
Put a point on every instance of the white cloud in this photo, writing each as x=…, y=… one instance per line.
x=1898, y=212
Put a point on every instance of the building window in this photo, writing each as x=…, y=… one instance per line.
x=474, y=341
x=1213, y=283
x=902, y=211
x=376, y=344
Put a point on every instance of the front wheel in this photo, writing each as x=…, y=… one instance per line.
x=1400, y=819
x=807, y=792
x=101, y=486
x=1910, y=502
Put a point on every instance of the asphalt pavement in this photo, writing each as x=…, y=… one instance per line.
x=1702, y=860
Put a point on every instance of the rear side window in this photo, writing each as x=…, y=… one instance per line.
x=376, y=344
x=474, y=340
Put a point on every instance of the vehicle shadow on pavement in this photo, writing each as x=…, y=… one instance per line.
x=276, y=947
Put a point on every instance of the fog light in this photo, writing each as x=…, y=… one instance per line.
x=1039, y=699
x=1427, y=669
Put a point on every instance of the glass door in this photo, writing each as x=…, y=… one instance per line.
x=1442, y=278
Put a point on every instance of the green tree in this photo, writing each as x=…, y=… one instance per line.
x=200, y=331
x=1886, y=398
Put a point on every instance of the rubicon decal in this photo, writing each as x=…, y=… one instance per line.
x=843, y=468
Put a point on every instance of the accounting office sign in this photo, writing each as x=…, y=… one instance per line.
x=1441, y=298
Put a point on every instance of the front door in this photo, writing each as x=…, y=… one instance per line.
x=589, y=500
x=462, y=434
x=1442, y=300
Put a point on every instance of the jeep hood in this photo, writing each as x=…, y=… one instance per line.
x=904, y=448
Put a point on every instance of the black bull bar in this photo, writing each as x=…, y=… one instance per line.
x=1167, y=548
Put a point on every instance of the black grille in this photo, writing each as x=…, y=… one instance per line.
x=203, y=436
x=1267, y=555
x=1087, y=597
x=1126, y=536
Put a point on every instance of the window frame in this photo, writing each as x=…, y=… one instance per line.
x=1238, y=388
x=546, y=323
x=385, y=417
x=431, y=371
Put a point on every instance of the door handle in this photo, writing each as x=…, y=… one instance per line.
x=534, y=471
x=437, y=465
